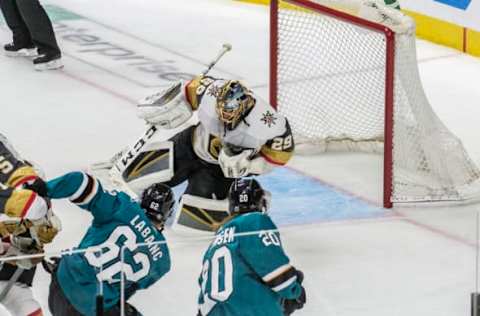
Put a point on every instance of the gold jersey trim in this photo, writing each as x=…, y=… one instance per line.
x=21, y=175
x=19, y=202
x=274, y=156
x=191, y=92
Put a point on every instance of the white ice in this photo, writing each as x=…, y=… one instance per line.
x=418, y=261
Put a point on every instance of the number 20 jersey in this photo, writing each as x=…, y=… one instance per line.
x=246, y=271
x=118, y=221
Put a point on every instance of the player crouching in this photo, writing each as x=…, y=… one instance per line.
x=245, y=269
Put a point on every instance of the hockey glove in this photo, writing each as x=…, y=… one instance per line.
x=166, y=109
x=24, y=246
x=291, y=305
x=51, y=265
x=39, y=186
x=235, y=164
x=44, y=230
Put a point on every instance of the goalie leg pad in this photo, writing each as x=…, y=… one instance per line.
x=201, y=213
x=153, y=164
x=204, y=205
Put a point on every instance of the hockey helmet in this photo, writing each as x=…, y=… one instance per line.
x=234, y=101
x=158, y=202
x=246, y=196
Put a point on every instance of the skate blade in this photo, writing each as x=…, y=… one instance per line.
x=24, y=52
x=51, y=65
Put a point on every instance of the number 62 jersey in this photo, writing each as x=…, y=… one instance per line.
x=246, y=271
x=118, y=223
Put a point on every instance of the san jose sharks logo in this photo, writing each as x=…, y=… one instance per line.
x=268, y=118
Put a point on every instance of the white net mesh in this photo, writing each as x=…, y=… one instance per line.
x=331, y=86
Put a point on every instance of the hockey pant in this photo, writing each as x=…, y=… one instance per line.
x=60, y=306
x=204, y=179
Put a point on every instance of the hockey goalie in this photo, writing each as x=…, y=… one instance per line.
x=237, y=135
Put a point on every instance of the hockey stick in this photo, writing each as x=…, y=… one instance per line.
x=225, y=48
x=16, y=275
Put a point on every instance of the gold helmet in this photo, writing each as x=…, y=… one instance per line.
x=234, y=101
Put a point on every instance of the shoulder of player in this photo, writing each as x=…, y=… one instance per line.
x=253, y=221
x=265, y=120
x=201, y=89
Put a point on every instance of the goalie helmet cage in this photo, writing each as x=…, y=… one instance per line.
x=345, y=80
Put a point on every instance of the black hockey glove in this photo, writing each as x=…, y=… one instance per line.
x=51, y=265
x=290, y=306
x=130, y=310
x=39, y=186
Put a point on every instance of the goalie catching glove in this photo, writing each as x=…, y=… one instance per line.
x=239, y=162
x=167, y=109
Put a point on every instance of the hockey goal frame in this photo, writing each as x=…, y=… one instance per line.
x=389, y=71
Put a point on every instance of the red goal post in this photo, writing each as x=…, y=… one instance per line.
x=403, y=103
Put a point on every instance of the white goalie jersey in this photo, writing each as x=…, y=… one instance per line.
x=263, y=131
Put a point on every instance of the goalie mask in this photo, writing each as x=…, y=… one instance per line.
x=158, y=203
x=234, y=101
x=246, y=196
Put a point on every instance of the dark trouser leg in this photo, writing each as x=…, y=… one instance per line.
x=204, y=179
x=25, y=278
x=185, y=161
x=209, y=182
x=39, y=25
x=130, y=310
x=21, y=35
x=57, y=302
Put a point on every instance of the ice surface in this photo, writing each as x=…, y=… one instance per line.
x=358, y=259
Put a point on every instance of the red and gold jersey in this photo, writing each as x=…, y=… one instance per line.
x=15, y=201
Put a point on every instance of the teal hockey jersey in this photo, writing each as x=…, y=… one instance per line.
x=118, y=222
x=244, y=273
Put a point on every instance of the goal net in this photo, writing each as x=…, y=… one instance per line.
x=345, y=74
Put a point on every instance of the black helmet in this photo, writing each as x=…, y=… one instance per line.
x=245, y=196
x=158, y=202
